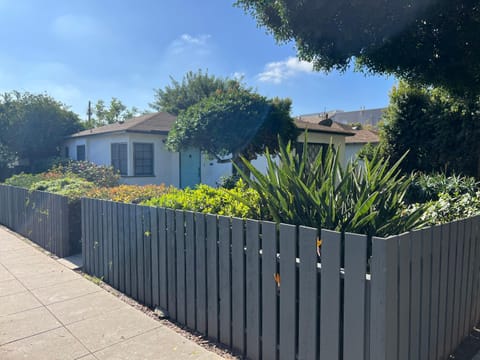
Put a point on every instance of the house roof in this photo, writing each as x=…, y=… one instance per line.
x=161, y=123
x=362, y=136
x=157, y=123
x=313, y=124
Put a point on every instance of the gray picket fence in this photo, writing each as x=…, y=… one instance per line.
x=268, y=292
x=46, y=219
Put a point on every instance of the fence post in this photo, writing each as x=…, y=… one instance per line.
x=383, y=306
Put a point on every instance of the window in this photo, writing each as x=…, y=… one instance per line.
x=81, y=153
x=143, y=159
x=119, y=157
x=312, y=150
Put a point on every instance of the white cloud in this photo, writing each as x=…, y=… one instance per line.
x=276, y=72
x=77, y=27
x=189, y=43
x=238, y=75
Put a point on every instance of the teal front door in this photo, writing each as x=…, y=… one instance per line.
x=189, y=168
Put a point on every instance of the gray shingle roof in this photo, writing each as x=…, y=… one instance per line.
x=157, y=123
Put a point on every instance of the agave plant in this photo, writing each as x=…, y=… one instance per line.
x=365, y=198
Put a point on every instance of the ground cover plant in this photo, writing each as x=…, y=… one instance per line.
x=133, y=194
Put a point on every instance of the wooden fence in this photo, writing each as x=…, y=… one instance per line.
x=268, y=292
x=46, y=219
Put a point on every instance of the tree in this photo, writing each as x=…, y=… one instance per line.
x=431, y=42
x=33, y=126
x=231, y=124
x=194, y=87
x=439, y=130
x=115, y=112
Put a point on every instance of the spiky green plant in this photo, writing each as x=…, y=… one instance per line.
x=365, y=198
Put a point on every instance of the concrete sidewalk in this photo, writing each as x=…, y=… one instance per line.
x=50, y=312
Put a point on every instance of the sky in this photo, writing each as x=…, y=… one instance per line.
x=85, y=50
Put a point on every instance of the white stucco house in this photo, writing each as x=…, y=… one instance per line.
x=136, y=147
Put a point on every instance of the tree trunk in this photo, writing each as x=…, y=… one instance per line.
x=237, y=161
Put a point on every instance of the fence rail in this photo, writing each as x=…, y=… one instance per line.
x=46, y=219
x=265, y=290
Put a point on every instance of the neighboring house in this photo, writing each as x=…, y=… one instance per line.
x=136, y=148
x=359, y=135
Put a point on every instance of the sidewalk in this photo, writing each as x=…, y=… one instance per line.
x=50, y=312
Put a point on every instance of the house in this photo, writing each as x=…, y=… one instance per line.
x=355, y=136
x=136, y=147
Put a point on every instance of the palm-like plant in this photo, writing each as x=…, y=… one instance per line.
x=363, y=198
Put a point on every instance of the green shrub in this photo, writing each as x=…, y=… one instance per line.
x=128, y=193
x=24, y=180
x=450, y=208
x=72, y=187
x=428, y=187
x=239, y=201
x=229, y=182
x=101, y=175
x=321, y=193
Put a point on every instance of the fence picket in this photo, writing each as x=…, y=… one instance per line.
x=147, y=254
x=201, y=271
x=308, y=296
x=180, y=257
x=133, y=252
x=383, y=298
x=415, y=294
x=171, y=265
x=162, y=258
x=121, y=247
x=436, y=250
x=115, y=245
x=354, y=299
x=252, y=290
x=155, y=257
x=458, y=285
x=190, y=268
x=238, y=285
x=128, y=244
x=212, y=276
x=224, y=272
x=330, y=295
x=404, y=243
x=269, y=290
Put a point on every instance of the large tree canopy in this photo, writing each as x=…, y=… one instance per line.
x=433, y=42
x=195, y=86
x=233, y=123
x=33, y=126
x=440, y=131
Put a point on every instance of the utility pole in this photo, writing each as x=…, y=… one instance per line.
x=89, y=112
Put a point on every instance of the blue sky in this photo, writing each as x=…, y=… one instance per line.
x=85, y=50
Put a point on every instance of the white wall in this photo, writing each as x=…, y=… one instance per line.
x=351, y=151
x=166, y=163
x=72, y=147
x=98, y=150
x=212, y=170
